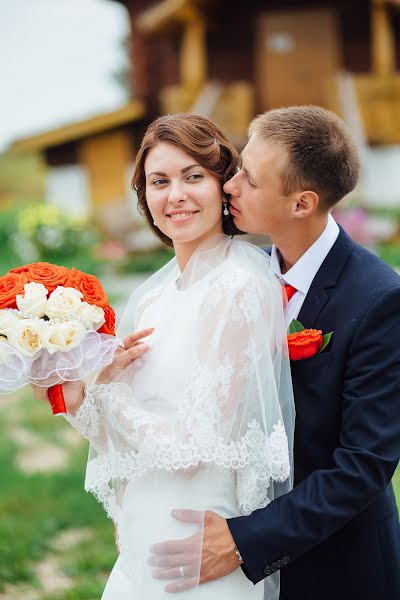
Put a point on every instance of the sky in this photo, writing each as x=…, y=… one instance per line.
x=57, y=58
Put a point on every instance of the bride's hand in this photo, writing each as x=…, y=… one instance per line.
x=133, y=349
x=73, y=392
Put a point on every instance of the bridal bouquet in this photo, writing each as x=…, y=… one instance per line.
x=56, y=325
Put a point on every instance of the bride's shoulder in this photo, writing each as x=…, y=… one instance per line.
x=244, y=273
x=248, y=266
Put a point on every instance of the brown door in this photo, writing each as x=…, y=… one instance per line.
x=297, y=53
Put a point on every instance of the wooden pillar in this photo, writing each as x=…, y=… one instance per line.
x=106, y=157
x=383, y=45
x=193, y=54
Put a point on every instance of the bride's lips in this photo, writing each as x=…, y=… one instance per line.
x=179, y=216
x=233, y=210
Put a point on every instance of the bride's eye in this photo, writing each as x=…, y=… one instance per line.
x=159, y=182
x=194, y=177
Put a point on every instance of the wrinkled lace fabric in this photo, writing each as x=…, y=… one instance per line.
x=213, y=394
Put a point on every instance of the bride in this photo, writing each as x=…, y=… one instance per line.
x=204, y=418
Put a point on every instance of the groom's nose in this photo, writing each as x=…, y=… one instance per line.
x=231, y=187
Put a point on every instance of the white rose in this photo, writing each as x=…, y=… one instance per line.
x=34, y=301
x=28, y=335
x=7, y=321
x=64, y=336
x=93, y=314
x=63, y=302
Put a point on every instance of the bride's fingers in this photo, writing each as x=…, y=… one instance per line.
x=131, y=339
x=134, y=353
x=128, y=356
x=40, y=393
x=120, y=362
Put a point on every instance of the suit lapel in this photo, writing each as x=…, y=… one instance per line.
x=325, y=279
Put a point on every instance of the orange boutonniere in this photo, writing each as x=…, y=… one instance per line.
x=304, y=343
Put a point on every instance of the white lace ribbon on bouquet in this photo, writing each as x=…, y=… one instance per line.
x=95, y=351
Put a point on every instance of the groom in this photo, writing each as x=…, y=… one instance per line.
x=336, y=535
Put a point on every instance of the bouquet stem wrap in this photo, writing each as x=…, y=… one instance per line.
x=56, y=399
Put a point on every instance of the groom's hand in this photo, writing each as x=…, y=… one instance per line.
x=218, y=557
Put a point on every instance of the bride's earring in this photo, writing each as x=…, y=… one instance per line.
x=226, y=211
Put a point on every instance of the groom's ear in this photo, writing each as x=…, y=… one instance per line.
x=306, y=203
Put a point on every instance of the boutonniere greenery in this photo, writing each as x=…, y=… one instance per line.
x=304, y=343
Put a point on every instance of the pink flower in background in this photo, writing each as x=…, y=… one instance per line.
x=357, y=223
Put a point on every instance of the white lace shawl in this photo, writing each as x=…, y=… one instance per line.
x=215, y=388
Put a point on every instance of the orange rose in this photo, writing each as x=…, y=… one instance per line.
x=304, y=344
x=90, y=287
x=41, y=272
x=11, y=284
x=109, y=325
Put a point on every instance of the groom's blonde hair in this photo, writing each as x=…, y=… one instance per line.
x=322, y=157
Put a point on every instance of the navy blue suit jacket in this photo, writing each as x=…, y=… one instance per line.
x=336, y=535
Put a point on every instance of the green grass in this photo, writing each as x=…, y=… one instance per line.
x=35, y=508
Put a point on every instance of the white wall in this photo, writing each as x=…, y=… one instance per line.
x=67, y=187
x=380, y=180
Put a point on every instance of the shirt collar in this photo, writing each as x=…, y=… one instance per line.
x=302, y=273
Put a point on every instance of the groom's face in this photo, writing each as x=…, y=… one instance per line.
x=257, y=203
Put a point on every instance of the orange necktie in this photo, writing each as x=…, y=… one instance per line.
x=290, y=290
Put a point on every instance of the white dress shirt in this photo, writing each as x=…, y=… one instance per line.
x=302, y=273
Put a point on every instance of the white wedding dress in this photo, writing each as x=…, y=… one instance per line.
x=203, y=421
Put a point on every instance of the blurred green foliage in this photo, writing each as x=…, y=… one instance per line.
x=146, y=262
x=390, y=253
x=41, y=232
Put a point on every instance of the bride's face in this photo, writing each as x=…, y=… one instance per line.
x=185, y=200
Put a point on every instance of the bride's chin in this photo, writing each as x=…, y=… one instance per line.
x=184, y=236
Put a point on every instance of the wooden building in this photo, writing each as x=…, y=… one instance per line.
x=229, y=60
x=232, y=59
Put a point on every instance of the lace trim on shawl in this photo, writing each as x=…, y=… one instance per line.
x=256, y=458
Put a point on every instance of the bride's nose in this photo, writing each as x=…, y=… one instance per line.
x=176, y=194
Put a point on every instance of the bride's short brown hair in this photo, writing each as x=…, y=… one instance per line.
x=200, y=138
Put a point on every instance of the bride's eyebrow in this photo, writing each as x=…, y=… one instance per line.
x=190, y=167
x=183, y=171
x=159, y=173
